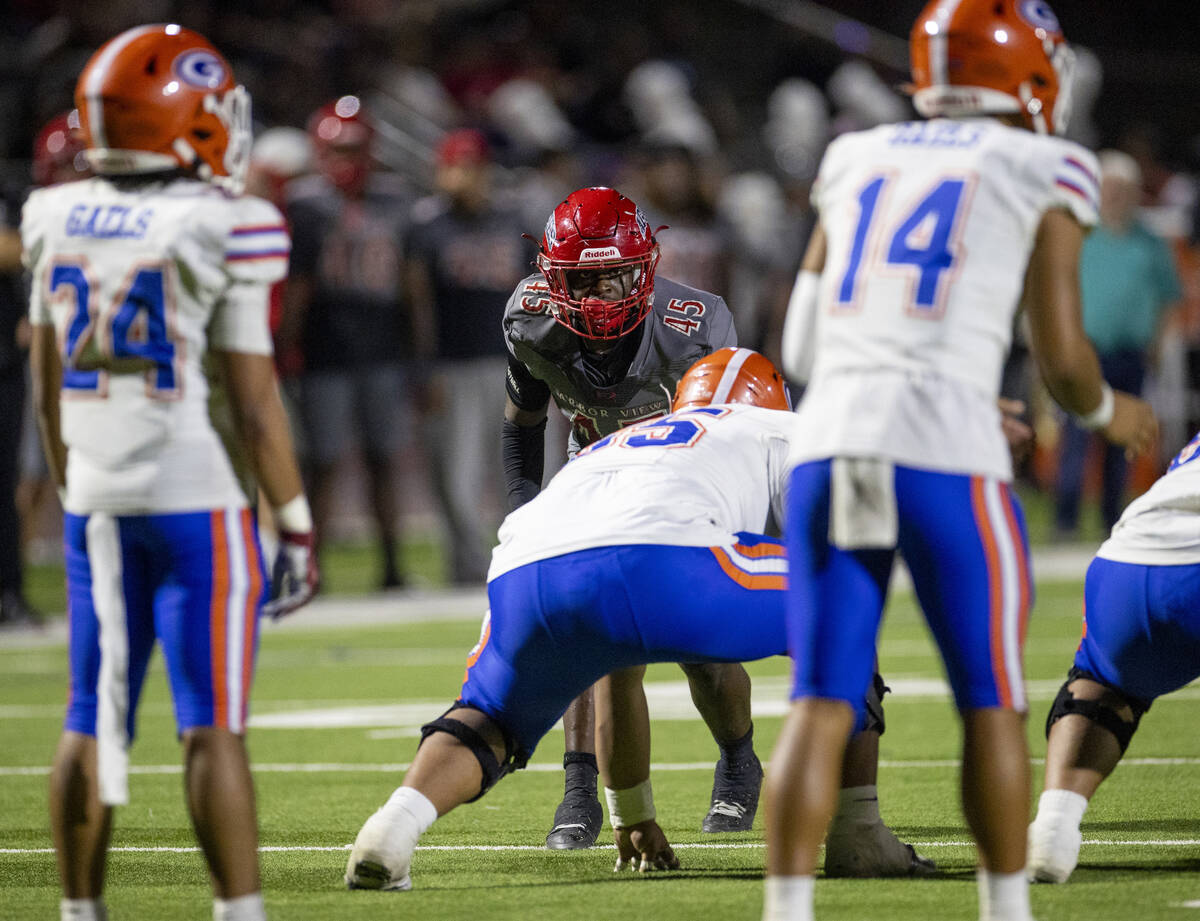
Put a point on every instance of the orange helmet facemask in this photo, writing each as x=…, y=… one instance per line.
x=161, y=97
x=992, y=57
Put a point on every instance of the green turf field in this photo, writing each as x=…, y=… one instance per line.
x=336, y=708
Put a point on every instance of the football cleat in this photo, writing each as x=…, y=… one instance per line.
x=1053, y=850
x=871, y=849
x=577, y=821
x=734, y=795
x=382, y=852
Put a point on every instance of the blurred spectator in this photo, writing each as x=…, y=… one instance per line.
x=862, y=100
x=675, y=192
x=345, y=312
x=1129, y=285
x=465, y=256
x=280, y=155
x=57, y=157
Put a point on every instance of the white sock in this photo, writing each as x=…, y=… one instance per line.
x=788, y=898
x=1003, y=896
x=82, y=910
x=858, y=804
x=1062, y=807
x=243, y=908
x=416, y=804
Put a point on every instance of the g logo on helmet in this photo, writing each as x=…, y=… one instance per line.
x=1039, y=15
x=199, y=68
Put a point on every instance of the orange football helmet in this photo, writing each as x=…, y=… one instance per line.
x=992, y=57
x=732, y=375
x=161, y=97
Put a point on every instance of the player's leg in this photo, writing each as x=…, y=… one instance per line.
x=110, y=641
x=207, y=623
x=327, y=409
x=835, y=602
x=462, y=755
x=384, y=420
x=964, y=541
x=1068, y=487
x=578, y=817
x=721, y=693
x=520, y=678
x=859, y=843
x=80, y=824
x=1142, y=640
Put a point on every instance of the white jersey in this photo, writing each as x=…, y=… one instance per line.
x=139, y=282
x=1162, y=526
x=688, y=479
x=929, y=228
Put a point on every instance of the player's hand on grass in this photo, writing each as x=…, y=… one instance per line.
x=294, y=577
x=643, y=847
x=1133, y=426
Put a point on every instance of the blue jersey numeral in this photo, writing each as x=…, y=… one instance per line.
x=673, y=431
x=923, y=240
x=72, y=276
x=138, y=327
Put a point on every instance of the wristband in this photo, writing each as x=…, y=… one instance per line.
x=631, y=805
x=1099, y=417
x=294, y=516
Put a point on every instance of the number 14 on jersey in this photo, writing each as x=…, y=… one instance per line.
x=923, y=241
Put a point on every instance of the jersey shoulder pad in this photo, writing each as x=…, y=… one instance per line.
x=697, y=316
x=1071, y=175
x=530, y=331
x=257, y=242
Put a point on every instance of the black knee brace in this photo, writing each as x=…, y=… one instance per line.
x=875, y=704
x=493, y=770
x=1067, y=704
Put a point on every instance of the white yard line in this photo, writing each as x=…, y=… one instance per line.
x=399, y=767
x=723, y=846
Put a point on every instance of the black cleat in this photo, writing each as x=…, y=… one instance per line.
x=577, y=821
x=734, y=795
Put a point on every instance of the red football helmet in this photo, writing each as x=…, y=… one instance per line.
x=599, y=231
x=58, y=151
x=992, y=57
x=732, y=375
x=342, y=133
x=161, y=97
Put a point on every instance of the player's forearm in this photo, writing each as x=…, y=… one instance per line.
x=262, y=425
x=268, y=440
x=622, y=714
x=1072, y=377
x=523, y=452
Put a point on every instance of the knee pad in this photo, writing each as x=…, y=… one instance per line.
x=1067, y=704
x=493, y=769
x=874, y=702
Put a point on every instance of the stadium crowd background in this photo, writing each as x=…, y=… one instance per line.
x=712, y=114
